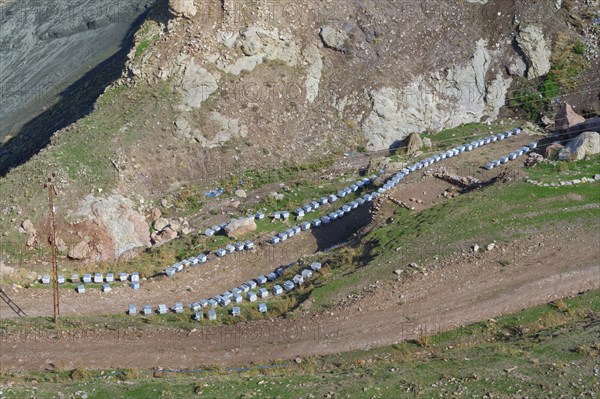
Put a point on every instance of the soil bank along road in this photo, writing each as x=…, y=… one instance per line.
x=547, y=266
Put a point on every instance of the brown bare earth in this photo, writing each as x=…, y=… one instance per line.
x=452, y=291
x=220, y=275
x=547, y=266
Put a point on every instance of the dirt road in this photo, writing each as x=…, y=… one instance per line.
x=547, y=266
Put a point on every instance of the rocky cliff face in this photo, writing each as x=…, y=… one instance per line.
x=214, y=86
x=439, y=100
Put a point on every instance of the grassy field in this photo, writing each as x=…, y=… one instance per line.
x=550, y=350
x=500, y=212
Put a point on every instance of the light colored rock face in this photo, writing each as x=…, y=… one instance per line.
x=586, y=144
x=517, y=68
x=259, y=44
x=477, y=1
x=334, y=37
x=182, y=8
x=431, y=103
x=239, y=227
x=226, y=129
x=567, y=117
x=243, y=64
x=315, y=68
x=532, y=42
x=197, y=85
x=80, y=251
x=160, y=224
x=111, y=225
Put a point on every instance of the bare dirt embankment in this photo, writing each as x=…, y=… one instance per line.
x=460, y=293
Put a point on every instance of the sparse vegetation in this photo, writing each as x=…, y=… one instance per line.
x=488, y=358
x=568, y=62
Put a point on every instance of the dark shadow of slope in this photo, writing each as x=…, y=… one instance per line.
x=341, y=230
x=75, y=102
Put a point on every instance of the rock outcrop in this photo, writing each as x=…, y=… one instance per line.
x=80, y=251
x=111, y=228
x=334, y=37
x=537, y=52
x=586, y=144
x=238, y=228
x=315, y=67
x=442, y=100
x=182, y=8
x=197, y=85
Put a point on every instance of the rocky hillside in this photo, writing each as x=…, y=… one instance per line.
x=213, y=87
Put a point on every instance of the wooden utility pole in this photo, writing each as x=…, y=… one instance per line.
x=48, y=185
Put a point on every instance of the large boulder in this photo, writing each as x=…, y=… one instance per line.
x=111, y=227
x=182, y=8
x=160, y=224
x=567, y=118
x=553, y=150
x=413, y=143
x=80, y=251
x=239, y=227
x=586, y=144
x=537, y=52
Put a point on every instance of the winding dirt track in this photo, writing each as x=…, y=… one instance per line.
x=546, y=267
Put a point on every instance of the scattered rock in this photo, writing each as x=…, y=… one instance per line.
x=276, y=196
x=537, y=52
x=334, y=37
x=475, y=248
x=586, y=144
x=240, y=193
x=427, y=142
x=567, y=118
x=27, y=226
x=160, y=224
x=239, y=227
x=398, y=272
x=533, y=159
x=490, y=247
